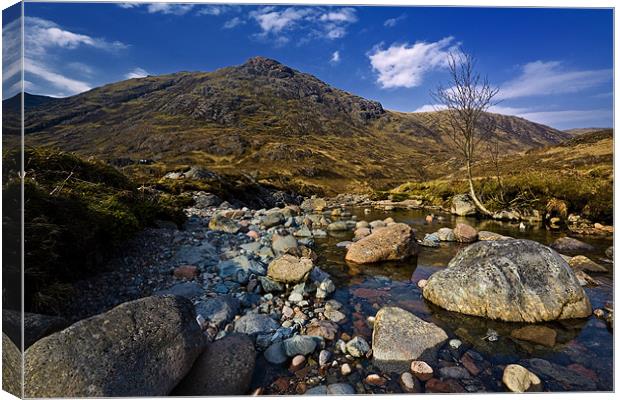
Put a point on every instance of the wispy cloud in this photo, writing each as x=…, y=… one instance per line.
x=43, y=40
x=215, y=9
x=169, y=8
x=392, y=22
x=404, y=65
x=541, y=78
x=63, y=83
x=136, y=73
x=335, y=57
x=311, y=22
x=233, y=23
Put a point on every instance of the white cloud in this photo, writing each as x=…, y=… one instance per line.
x=404, y=65
x=136, y=73
x=65, y=84
x=234, y=22
x=42, y=67
x=212, y=10
x=335, y=57
x=392, y=22
x=313, y=23
x=272, y=21
x=41, y=35
x=342, y=15
x=167, y=8
x=128, y=5
x=540, y=78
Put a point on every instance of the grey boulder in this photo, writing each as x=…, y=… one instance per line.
x=139, y=348
x=513, y=280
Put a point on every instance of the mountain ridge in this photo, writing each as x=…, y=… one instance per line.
x=260, y=117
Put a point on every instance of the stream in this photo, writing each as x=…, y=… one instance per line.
x=585, y=346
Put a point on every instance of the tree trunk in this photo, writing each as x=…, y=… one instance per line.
x=472, y=192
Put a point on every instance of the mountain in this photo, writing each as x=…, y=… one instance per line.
x=261, y=118
x=582, y=131
x=11, y=107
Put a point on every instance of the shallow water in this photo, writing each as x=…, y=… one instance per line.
x=580, y=344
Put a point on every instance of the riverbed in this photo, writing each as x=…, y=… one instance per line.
x=583, y=346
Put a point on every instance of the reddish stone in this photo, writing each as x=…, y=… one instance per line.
x=434, y=385
x=281, y=384
x=369, y=294
x=470, y=364
x=186, y=272
x=581, y=370
x=253, y=234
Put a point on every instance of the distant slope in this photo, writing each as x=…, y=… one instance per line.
x=581, y=131
x=11, y=108
x=261, y=118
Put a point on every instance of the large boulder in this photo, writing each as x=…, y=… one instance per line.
x=11, y=367
x=289, y=269
x=513, y=280
x=400, y=337
x=140, y=348
x=462, y=205
x=394, y=242
x=36, y=326
x=224, y=368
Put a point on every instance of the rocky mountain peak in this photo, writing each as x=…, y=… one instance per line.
x=266, y=66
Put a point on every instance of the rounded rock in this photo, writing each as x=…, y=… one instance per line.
x=527, y=281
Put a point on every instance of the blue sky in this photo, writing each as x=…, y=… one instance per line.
x=552, y=66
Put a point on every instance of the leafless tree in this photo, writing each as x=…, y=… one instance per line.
x=463, y=105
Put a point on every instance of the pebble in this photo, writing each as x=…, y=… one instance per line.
x=324, y=357
x=297, y=363
x=358, y=347
x=345, y=369
x=455, y=343
x=375, y=379
x=421, y=370
x=409, y=383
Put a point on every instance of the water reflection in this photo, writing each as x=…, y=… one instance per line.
x=364, y=289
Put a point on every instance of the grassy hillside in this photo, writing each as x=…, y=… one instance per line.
x=76, y=212
x=578, y=172
x=260, y=118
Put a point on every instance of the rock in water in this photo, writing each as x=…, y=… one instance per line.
x=11, y=367
x=585, y=264
x=289, y=269
x=465, y=233
x=140, y=348
x=570, y=245
x=513, y=280
x=399, y=337
x=536, y=334
x=446, y=235
x=224, y=368
x=519, y=379
x=463, y=205
x=395, y=242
